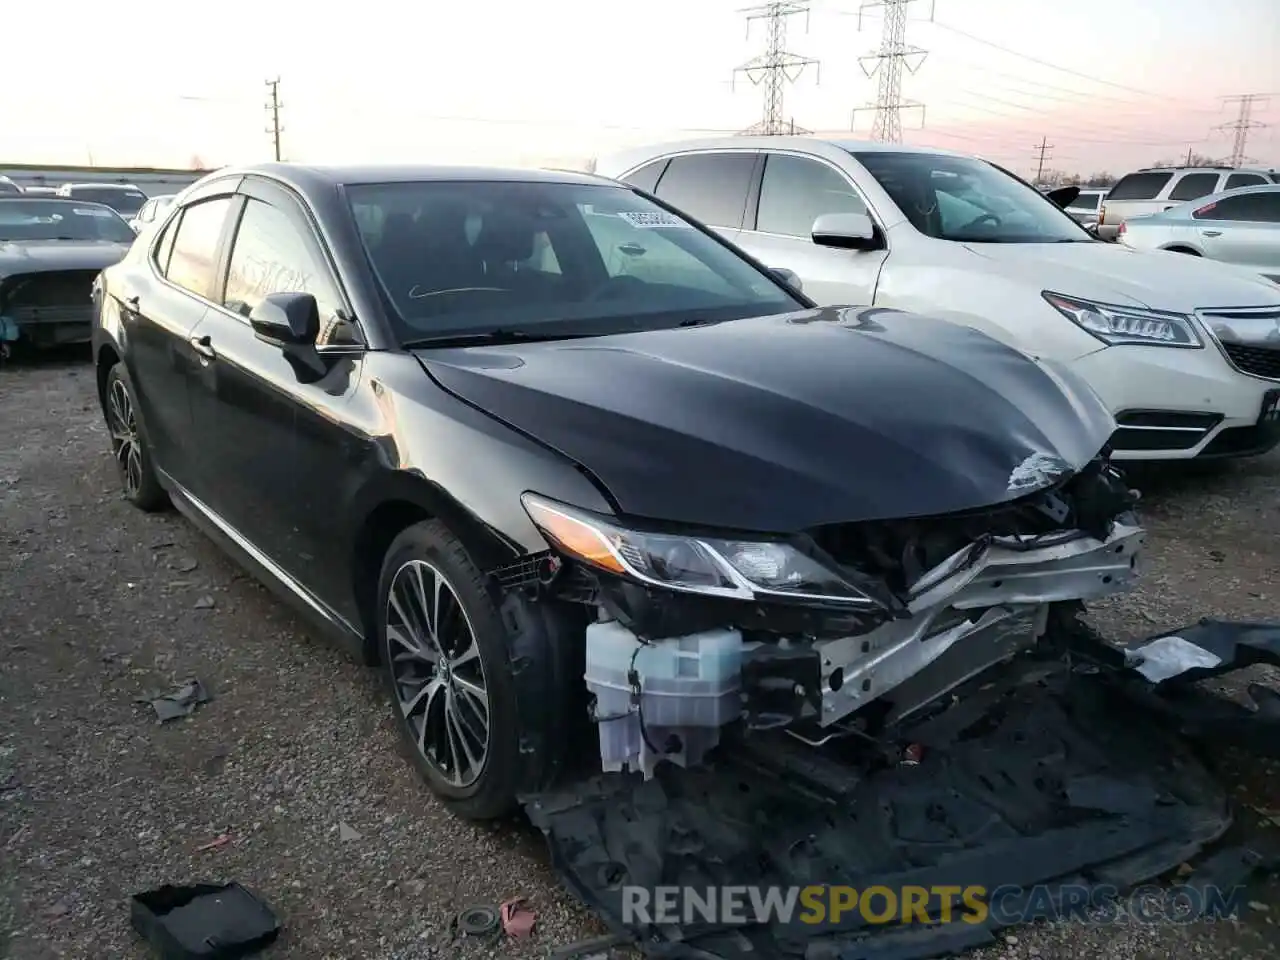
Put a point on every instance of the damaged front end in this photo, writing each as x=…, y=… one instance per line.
x=48, y=307
x=842, y=630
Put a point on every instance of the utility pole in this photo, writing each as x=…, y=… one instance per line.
x=776, y=67
x=1243, y=124
x=1188, y=156
x=893, y=56
x=1043, y=151
x=273, y=108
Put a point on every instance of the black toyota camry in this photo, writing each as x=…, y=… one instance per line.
x=535, y=441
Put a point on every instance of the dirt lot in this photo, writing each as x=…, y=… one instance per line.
x=295, y=760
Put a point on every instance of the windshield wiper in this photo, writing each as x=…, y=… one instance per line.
x=486, y=338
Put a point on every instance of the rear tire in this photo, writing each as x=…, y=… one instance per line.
x=448, y=672
x=139, y=482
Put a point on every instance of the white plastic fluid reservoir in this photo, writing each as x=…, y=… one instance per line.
x=689, y=687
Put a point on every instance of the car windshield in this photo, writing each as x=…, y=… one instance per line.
x=60, y=220
x=124, y=202
x=968, y=200
x=458, y=258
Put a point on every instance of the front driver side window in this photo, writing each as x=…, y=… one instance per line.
x=796, y=191
x=271, y=255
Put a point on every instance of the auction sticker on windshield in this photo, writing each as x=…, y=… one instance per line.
x=90, y=212
x=650, y=220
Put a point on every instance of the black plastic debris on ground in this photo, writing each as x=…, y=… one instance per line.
x=178, y=703
x=203, y=921
x=1041, y=773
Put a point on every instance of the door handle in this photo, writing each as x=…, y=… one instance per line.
x=1212, y=233
x=203, y=347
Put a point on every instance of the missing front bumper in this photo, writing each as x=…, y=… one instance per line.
x=1062, y=773
x=995, y=600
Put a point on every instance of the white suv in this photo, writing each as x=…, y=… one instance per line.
x=1183, y=350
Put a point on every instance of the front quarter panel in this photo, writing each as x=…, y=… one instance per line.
x=420, y=445
x=949, y=288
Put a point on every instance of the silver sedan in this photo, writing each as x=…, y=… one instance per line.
x=1240, y=226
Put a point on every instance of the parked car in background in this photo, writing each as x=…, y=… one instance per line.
x=7, y=186
x=462, y=435
x=150, y=210
x=953, y=236
x=1159, y=188
x=1240, y=226
x=124, y=199
x=51, y=250
x=1084, y=208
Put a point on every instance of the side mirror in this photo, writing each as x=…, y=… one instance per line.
x=1064, y=196
x=1092, y=228
x=845, y=231
x=787, y=278
x=287, y=319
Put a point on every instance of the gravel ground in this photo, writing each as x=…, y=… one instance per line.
x=295, y=759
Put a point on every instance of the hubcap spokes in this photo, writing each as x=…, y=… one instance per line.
x=124, y=437
x=439, y=679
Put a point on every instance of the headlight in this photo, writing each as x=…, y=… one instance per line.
x=1127, y=325
x=736, y=569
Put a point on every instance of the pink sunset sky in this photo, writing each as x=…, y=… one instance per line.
x=1112, y=84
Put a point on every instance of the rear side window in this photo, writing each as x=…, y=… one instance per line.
x=647, y=177
x=1086, y=201
x=1192, y=186
x=193, y=265
x=1140, y=186
x=1249, y=208
x=1244, y=180
x=711, y=187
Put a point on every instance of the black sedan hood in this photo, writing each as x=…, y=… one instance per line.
x=39, y=256
x=785, y=422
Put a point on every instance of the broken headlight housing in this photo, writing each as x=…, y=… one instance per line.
x=1118, y=326
x=717, y=567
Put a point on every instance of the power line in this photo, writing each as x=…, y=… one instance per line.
x=1045, y=63
x=273, y=108
x=776, y=67
x=893, y=56
x=1244, y=122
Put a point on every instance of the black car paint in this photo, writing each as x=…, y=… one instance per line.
x=296, y=475
x=777, y=424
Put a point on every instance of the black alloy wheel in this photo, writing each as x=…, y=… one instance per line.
x=138, y=481
x=444, y=650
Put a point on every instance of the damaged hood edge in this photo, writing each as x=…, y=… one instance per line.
x=777, y=424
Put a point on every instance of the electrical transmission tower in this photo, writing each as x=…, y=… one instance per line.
x=1042, y=154
x=776, y=67
x=1243, y=124
x=889, y=61
x=273, y=108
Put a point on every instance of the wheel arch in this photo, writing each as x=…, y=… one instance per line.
x=392, y=504
x=1182, y=247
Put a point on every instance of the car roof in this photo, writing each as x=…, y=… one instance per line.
x=1239, y=191
x=320, y=176
x=108, y=186
x=46, y=198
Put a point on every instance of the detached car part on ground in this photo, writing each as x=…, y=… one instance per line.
x=51, y=250
x=599, y=487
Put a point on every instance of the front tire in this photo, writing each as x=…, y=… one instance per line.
x=448, y=672
x=139, y=483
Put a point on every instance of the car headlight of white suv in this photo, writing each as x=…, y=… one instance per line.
x=1116, y=325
